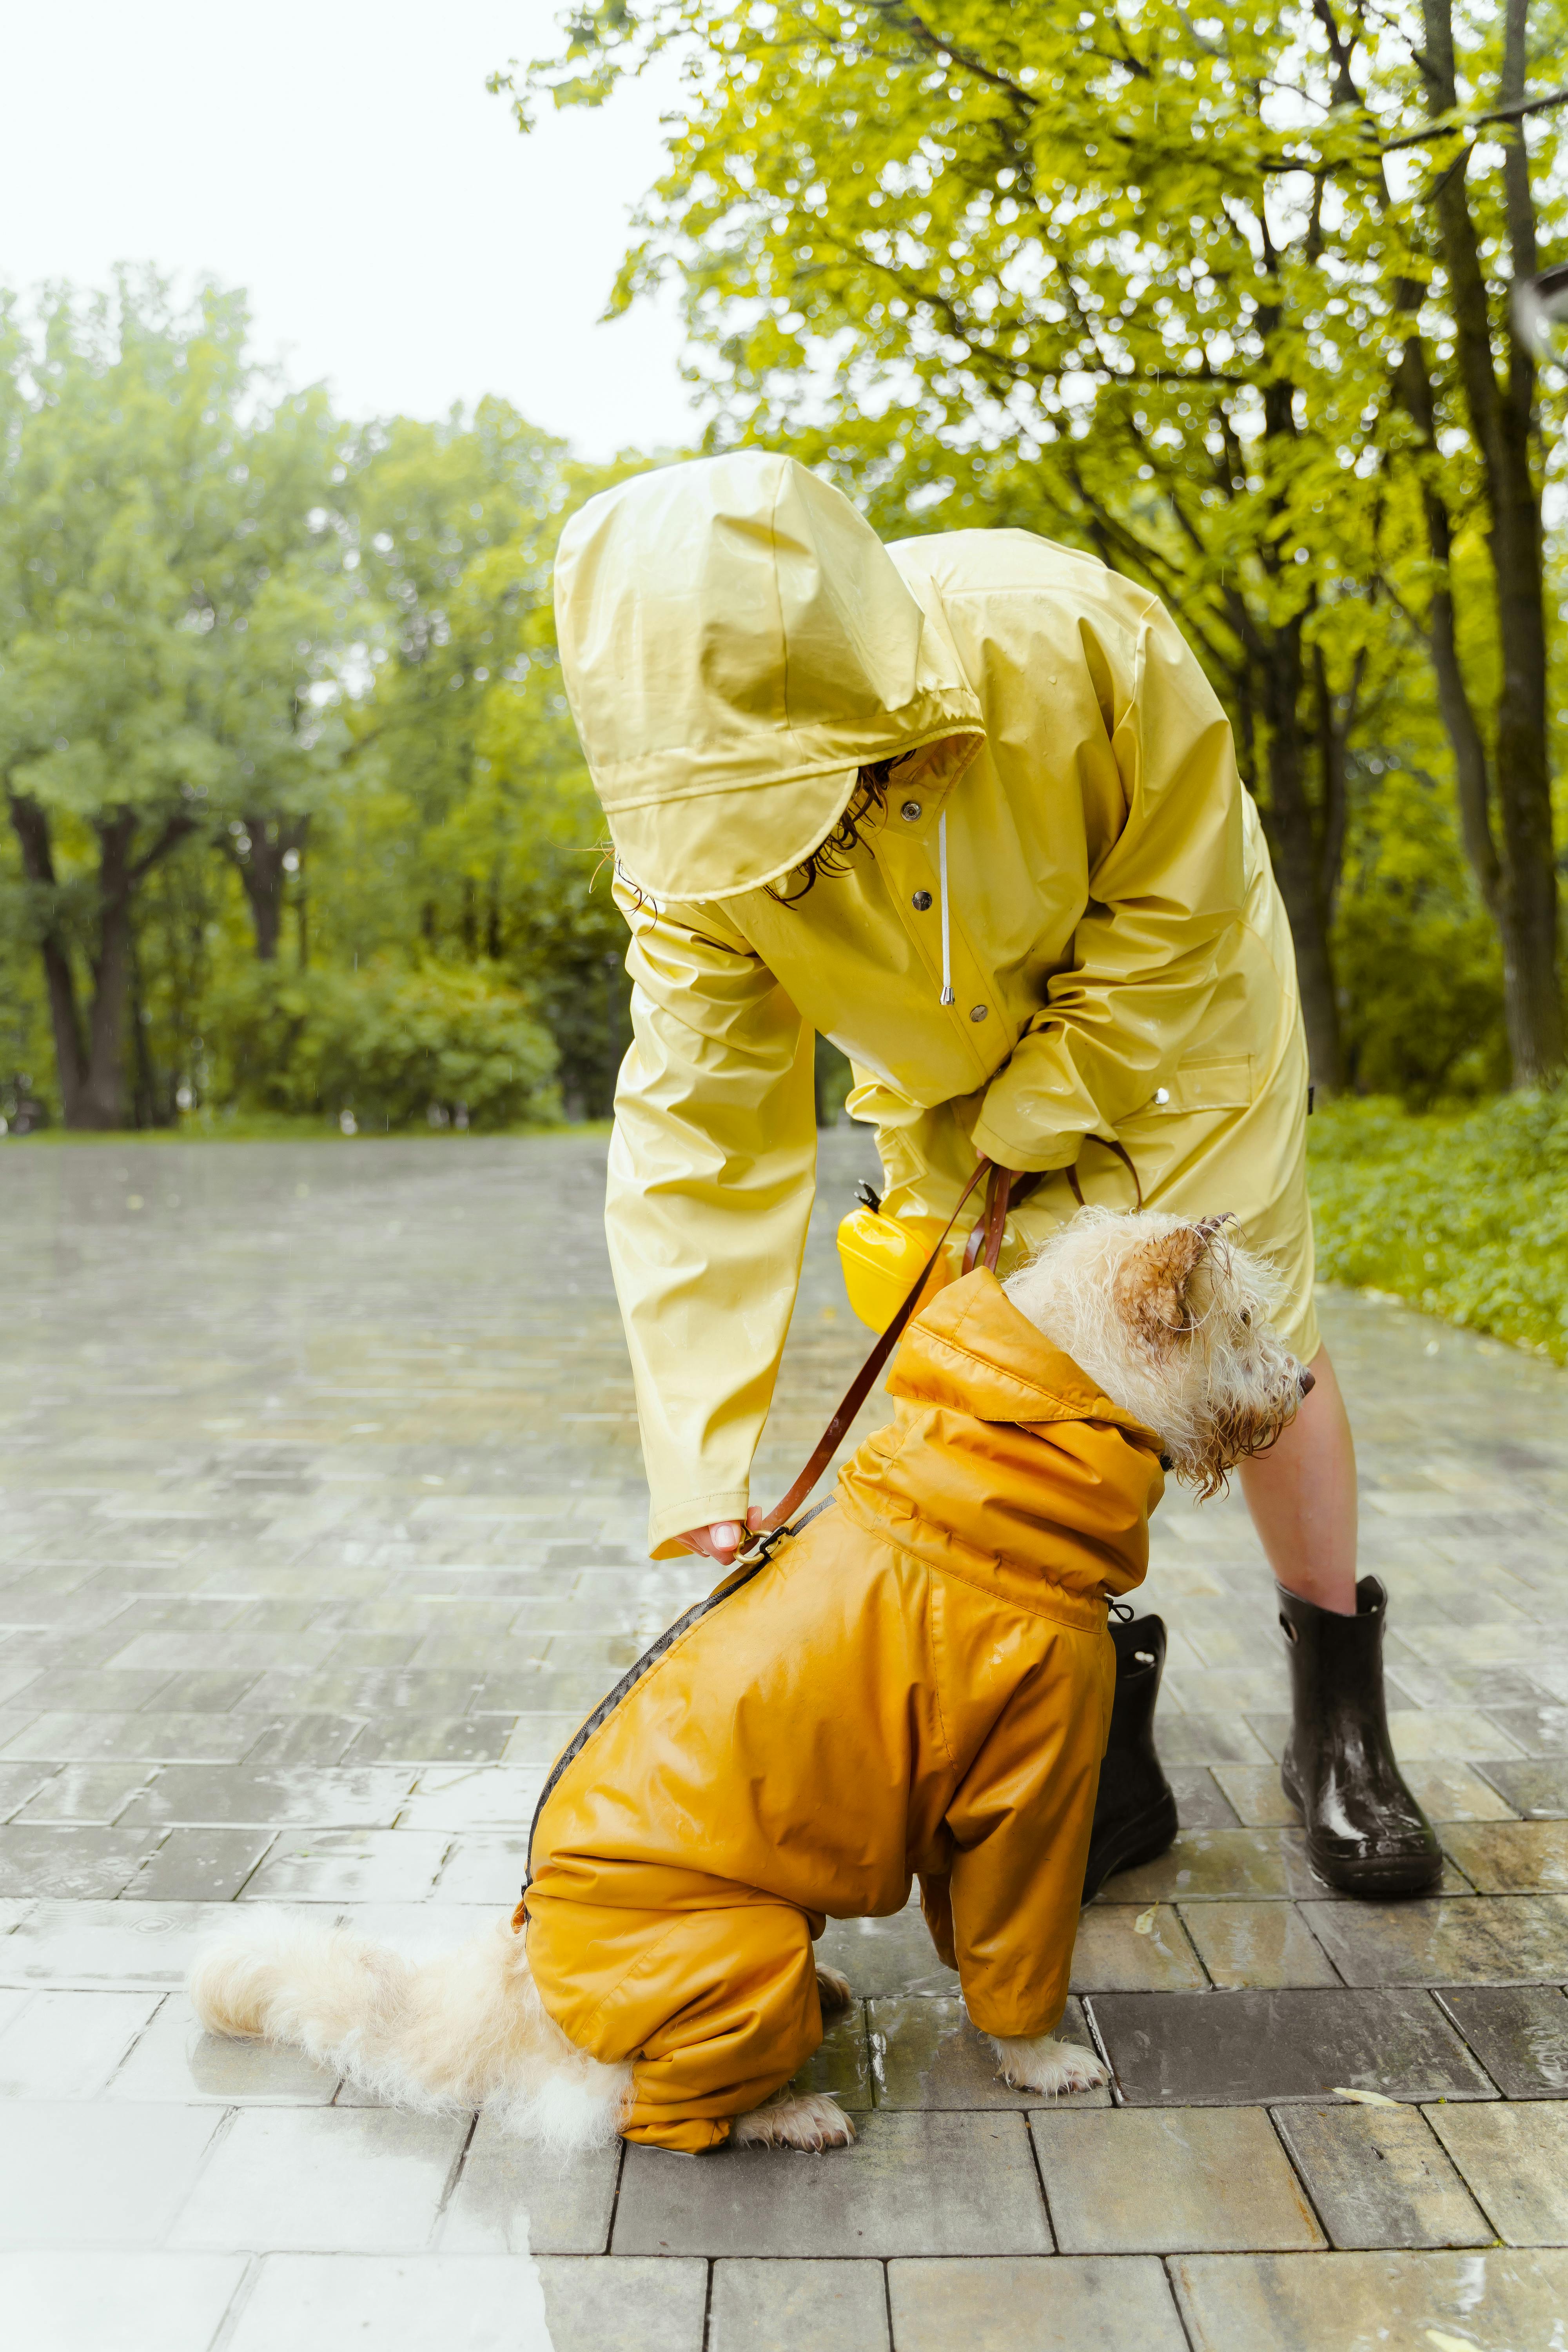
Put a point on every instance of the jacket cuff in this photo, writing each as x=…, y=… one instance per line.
x=697, y=1511
x=1030, y=1155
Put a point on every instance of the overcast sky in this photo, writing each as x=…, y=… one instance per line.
x=344, y=164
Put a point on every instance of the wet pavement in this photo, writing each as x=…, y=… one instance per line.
x=323, y=1527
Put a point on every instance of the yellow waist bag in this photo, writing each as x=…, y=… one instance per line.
x=882, y=1257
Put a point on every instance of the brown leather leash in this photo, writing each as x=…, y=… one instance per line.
x=1003, y=1187
x=985, y=1242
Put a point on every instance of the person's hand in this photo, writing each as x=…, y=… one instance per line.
x=723, y=1541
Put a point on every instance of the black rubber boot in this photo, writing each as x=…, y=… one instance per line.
x=1366, y=1832
x=1135, y=1808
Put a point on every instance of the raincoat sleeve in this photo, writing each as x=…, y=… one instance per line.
x=1021, y=1821
x=712, y=1173
x=1163, y=893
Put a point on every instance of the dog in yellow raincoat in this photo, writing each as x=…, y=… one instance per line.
x=918, y=1682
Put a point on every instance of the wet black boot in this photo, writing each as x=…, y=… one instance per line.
x=1366, y=1832
x=1135, y=1808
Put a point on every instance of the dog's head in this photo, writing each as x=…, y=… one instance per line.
x=1171, y=1319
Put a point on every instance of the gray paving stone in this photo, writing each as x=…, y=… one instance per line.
x=296, y=1742
x=1237, y=2048
x=1197, y=2179
x=1476, y=1940
x=1378, y=2178
x=432, y=1739
x=18, y=1784
x=1515, y=2161
x=348, y=1867
x=87, y=2300
x=174, y=2059
x=85, y=1792
x=1218, y=1864
x=327, y=2180
x=1207, y=1740
x=1533, y=1730
x=91, y=1944
x=481, y=1869
x=1419, y=1735
x=68, y=1861
x=1072, y=2304
x=912, y=2184
x=80, y=2173
x=1201, y=1802
x=449, y=1797
x=1361, y=2303
x=926, y=2053
x=154, y=1738
x=1257, y=1944
x=514, y=2198
x=1510, y=1857
x=1520, y=2033
x=1535, y=1787
x=842, y=2064
x=776, y=2306
x=882, y=1957
x=1133, y=1947
x=185, y=1794
x=655, y=2305
x=199, y=1866
x=66, y=2045
x=313, y=2303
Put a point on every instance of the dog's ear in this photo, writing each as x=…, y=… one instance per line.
x=1152, y=1284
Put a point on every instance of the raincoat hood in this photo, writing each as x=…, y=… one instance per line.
x=736, y=644
x=1004, y=1463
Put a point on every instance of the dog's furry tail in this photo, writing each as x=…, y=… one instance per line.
x=463, y=2030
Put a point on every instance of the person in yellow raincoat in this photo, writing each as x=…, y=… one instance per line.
x=967, y=806
x=920, y=1681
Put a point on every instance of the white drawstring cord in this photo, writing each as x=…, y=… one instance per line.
x=941, y=894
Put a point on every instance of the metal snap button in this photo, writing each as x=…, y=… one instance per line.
x=911, y=812
x=978, y=1012
x=1162, y=1094
x=921, y=902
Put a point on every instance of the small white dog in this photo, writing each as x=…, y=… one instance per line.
x=1170, y=1320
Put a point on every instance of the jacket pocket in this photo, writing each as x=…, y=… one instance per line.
x=1203, y=1082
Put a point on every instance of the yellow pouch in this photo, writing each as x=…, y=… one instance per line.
x=882, y=1257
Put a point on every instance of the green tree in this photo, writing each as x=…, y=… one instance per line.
x=169, y=620
x=1145, y=277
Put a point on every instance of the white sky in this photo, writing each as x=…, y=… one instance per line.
x=344, y=164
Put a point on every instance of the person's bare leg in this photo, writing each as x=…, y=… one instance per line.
x=1302, y=1497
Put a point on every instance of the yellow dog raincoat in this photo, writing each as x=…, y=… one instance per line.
x=920, y=1682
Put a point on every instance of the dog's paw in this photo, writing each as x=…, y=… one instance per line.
x=794, y=2119
x=834, y=1991
x=1045, y=2065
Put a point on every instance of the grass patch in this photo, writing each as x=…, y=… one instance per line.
x=1464, y=1216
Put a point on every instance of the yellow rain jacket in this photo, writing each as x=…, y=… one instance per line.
x=736, y=640
x=920, y=1682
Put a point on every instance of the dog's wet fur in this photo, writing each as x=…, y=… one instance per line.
x=1170, y=1320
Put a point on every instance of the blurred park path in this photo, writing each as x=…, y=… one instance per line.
x=323, y=1526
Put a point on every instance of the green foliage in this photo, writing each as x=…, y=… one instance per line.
x=386, y=1048
x=1419, y=969
x=1181, y=287
x=276, y=691
x=1465, y=1218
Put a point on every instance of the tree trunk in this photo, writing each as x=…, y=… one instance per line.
x=1298, y=858
x=102, y=1103
x=261, y=869
x=31, y=827
x=1501, y=421
x=90, y=1060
